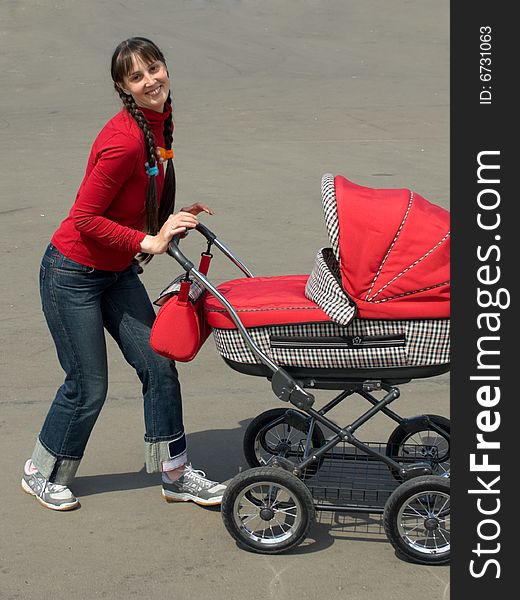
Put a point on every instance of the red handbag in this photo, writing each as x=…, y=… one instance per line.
x=180, y=328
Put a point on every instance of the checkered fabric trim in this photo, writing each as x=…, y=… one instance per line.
x=430, y=341
x=324, y=288
x=427, y=343
x=196, y=290
x=328, y=195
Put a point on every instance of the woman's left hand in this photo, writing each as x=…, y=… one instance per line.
x=197, y=208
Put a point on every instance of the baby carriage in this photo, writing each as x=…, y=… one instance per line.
x=373, y=314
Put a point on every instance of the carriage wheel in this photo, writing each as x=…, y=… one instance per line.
x=270, y=434
x=417, y=519
x=267, y=510
x=422, y=444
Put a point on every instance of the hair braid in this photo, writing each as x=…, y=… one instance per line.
x=168, y=126
x=167, y=205
x=152, y=219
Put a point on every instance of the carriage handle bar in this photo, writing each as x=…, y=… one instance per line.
x=283, y=385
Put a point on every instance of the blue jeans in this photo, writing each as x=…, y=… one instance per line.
x=79, y=303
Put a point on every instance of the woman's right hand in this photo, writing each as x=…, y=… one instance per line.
x=177, y=223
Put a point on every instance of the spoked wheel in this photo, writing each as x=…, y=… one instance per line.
x=267, y=510
x=279, y=432
x=417, y=519
x=421, y=443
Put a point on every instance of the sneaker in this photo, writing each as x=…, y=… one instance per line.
x=51, y=495
x=193, y=485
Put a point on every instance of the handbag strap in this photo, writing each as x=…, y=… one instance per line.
x=205, y=260
x=184, y=292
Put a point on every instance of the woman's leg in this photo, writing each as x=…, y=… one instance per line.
x=128, y=315
x=71, y=300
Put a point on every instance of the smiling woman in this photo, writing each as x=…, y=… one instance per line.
x=142, y=81
x=89, y=282
x=148, y=84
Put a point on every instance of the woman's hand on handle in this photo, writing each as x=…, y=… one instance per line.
x=177, y=223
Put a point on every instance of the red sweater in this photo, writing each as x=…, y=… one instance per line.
x=104, y=226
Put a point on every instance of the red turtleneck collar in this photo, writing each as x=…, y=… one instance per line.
x=156, y=118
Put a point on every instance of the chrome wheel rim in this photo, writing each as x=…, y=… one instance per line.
x=281, y=440
x=267, y=513
x=429, y=446
x=424, y=522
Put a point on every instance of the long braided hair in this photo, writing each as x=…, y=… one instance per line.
x=122, y=61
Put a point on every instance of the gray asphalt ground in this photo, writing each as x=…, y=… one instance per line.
x=268, y=96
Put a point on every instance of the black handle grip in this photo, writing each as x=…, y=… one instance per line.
x=207, y=233
x=174, y=251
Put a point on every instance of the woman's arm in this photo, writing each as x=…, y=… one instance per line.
x=177, y=223
x=114, y=165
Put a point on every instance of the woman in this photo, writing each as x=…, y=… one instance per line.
x=89, y=282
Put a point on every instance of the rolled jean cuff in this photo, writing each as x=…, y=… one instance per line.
x=171, y=453
x=62, y=470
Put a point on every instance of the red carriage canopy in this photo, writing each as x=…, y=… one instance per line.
x=393, y=247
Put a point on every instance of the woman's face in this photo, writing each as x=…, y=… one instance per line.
x=148, y=83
